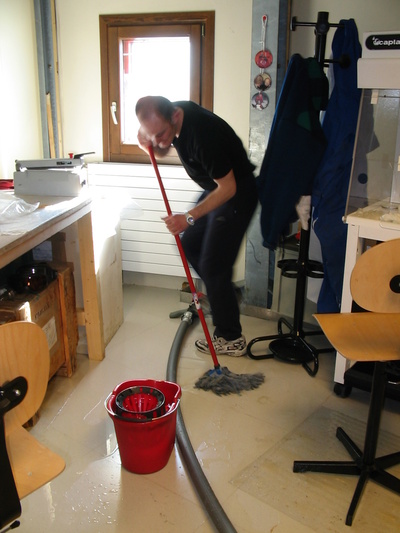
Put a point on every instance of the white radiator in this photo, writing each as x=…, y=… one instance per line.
x=147, y=246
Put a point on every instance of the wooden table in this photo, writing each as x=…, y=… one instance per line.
x=54, y=214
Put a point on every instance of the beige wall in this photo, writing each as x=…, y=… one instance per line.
x=20, y=123
x=78, y=26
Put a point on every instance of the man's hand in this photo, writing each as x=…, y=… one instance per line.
x=176, y=223
x=145, y=141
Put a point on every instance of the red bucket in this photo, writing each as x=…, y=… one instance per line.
x=145, y=444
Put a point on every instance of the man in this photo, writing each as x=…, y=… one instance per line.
x=214, y=157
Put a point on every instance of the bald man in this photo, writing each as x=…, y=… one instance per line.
x=214, y=157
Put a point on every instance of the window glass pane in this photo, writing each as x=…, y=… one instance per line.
x=151, y=66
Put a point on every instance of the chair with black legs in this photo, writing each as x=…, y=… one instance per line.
x=367, y=336
x=25, y=464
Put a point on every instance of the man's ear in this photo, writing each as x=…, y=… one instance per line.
x=175, y=116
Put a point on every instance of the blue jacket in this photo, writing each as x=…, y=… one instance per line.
x=331, y=182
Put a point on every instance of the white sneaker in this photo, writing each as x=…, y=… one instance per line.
x=235, y=348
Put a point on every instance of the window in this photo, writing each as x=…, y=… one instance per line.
x=139, y=77
x=167, y=54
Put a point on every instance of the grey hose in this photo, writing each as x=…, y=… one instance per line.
x=199, y=480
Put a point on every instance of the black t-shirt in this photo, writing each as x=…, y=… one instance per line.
x=209, y=148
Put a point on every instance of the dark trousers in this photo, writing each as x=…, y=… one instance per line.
x=211, y=247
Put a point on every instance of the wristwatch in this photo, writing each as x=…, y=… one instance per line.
x=189, y=218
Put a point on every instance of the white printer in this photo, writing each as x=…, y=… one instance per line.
x=50, y=177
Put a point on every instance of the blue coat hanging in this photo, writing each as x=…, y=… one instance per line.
x=332, y=179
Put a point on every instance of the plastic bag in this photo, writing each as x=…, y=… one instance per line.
x=11, y=207
x=13, y=211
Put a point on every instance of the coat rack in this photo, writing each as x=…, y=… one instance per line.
x=292, y=347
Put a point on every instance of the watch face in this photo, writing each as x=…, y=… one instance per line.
x=189, y=219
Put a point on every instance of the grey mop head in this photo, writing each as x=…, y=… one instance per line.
x=222, y=381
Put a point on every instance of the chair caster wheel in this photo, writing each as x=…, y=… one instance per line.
x=342, y=390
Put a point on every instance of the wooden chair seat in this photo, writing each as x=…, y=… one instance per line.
x=363, y=336
x=24, y=352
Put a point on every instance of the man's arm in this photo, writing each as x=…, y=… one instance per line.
x=225, y=190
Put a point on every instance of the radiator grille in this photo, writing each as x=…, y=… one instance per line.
x=146, y=244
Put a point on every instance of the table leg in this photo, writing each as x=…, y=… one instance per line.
x=91, y=290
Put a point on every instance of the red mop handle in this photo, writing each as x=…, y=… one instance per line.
x=185, y=263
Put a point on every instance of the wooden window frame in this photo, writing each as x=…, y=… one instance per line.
x=113, y=149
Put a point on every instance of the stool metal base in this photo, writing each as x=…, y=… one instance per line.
x=364, y=463
x=290, y=347
x=295, y=351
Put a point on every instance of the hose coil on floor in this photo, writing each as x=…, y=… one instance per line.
x=199, y=480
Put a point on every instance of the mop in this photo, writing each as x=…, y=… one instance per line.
x=219, y=380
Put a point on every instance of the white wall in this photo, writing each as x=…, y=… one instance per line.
x=369, y=15
x=20, y=123
x=78, y=27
